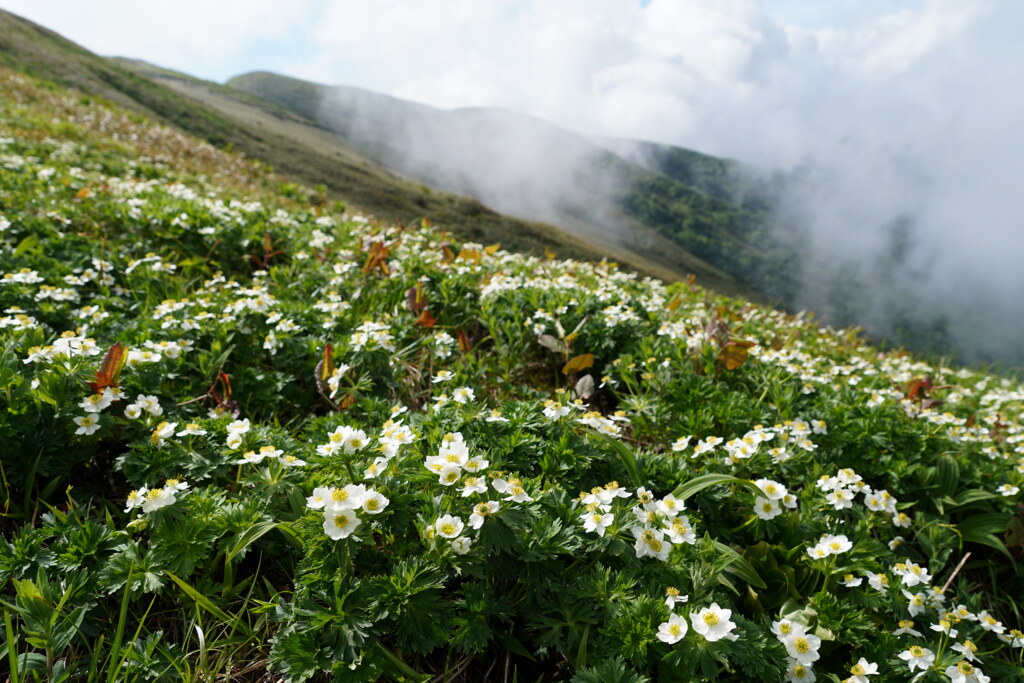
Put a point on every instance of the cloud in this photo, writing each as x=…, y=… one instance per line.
x=209, y=39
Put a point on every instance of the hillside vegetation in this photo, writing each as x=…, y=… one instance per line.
x=639, y=196
x=307, y=155
x=250, y=434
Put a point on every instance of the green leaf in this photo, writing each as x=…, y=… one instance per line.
x=696, y=485
x=249, y=536
x=947, y=475
x=26, y=245
x=626, y=457
x=739, y=566
x=208, y=605
x=982, y=528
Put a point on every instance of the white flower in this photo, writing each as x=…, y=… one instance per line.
x=966, y=649
x=448, y=526
x=191, y=429
x=803, y=647
x=136, y=498
x=349, y=497
x=95, y=403
x=670, y=505
x=714, y=623
x=463, y=395
x=990, y=623
x=906, y=628
x=158, y=498
x=681, y=443
x=916, y=602
x=944, y=627
x=917, y=657
x=292, y=461
x=673, y=630
x=651, y=543
x=442, y=376
x=471, y=485
x=374, y=502
x=1008, y=490
x=835, y=545
x=912, y=574
x=86, y=424
x=339, y=524
x=132, y=411
x=449, y=474
x=680, y=530
x=861, y=670
x=799, y=673
x=766, y=508
x=163, y=431
x=236, y=427
x=772, y=490
x=784, y=628
x=672, y=597
x=598, y=520
x=965, y=672
x=319, y=498
x=461, y=545
x=851, y=581
x=481, y=511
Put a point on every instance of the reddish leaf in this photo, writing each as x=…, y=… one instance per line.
x=110, y=368
x=426, y=319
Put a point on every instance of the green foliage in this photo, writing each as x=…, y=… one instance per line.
x=298, y=473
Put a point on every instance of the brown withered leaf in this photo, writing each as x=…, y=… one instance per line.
x=327, y=365
x=734, y=353
x=492, y=249
x=464, y=344
x=581, y=362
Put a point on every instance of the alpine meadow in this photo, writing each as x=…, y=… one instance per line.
x=253, y=431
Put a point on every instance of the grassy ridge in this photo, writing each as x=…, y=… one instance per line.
x=229, y=119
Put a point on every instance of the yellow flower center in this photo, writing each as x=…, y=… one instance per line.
x=710, y=618
x=340, y=520
x=802, y=646
x=372, y=504
x=448, y=529
x=857, y=670
x=674, y=629
x=916, y=651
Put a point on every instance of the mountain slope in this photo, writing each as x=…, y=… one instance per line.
x=303, y=151
x=623, y=192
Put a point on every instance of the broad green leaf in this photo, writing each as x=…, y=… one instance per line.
x=249, y=536
x=626, y=457
x=739, y=566
x=696, y=485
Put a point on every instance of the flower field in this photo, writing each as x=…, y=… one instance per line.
x=248, y=434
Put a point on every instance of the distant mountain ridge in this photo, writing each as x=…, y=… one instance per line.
x=619, y=191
